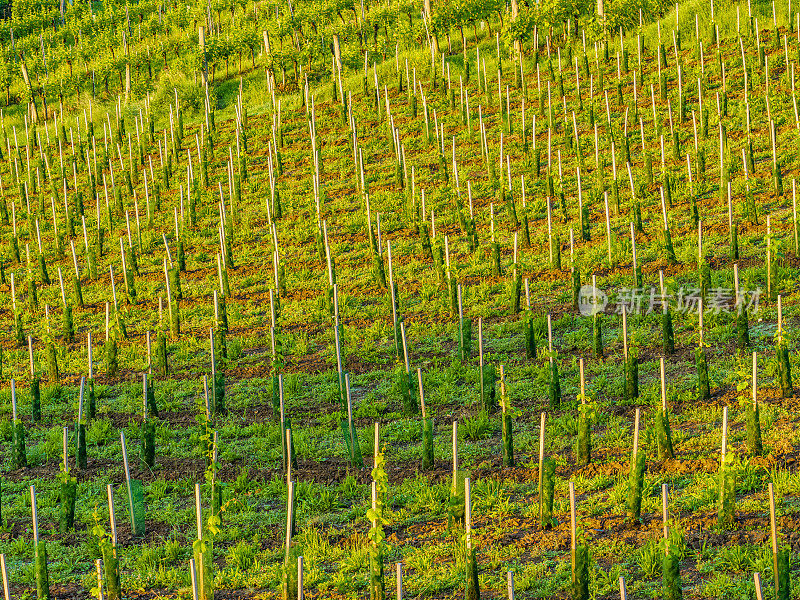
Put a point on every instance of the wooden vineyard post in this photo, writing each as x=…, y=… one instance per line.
x=554, y=386
x=630, y=362
x=276, y=364
x=546, y=480
x=584, y=446
x=553, y=247
x=667, y=331
x=217, y=383
x=149, y=345
x=733, y=231
x=80, y=432
x=701, y=363
x=782, y=350
x=300, y=592
x=287, y=447
x=110, y=561
x=597, y=323
x=68, y=488
x=608, y=231
x=769, y=267
x=672, y=588
x=753, y=422
x=575, y=273
x=289, y=575
x=4, y=572
x=349, y=429
x=20, y=457
x=780, y=556
x=774, y=538
x=19, y=334
x=427, y=428
x=112, y=515
x=795, y=229
x=203, y=549
x=338, y=344
x=393, y=296
x=704, y=271
x=98, y=566
x=665, y=510
x=742, y=330
x=473, y=591
x=172, y=302
x=529, y=325
x=193, y=575
x=456, y=506
x=488, y=376
x=406, y=378
x=637, y=271
x=376, y=443
x=201, y=35
x=377, y=583
x=33, y=111
x=450, y=280
x=399, y=580
x=506, y=422
x=516, y=282
x=135, y=494
x=759, y=590
x=207, y=399
x=455, y=453
x=464, y=329
x=667, y=236
x=36, y=404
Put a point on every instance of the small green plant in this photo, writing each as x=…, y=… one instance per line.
x=350, y=488
x=673, y=549
x=649, y=559
x=587, y=413
x=477, y=427
x=100, y=432
x=111, y=581
x=241, y=556
x=203, y=550
x=735, y=558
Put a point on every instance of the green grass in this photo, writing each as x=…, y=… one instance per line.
x=332, y=497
